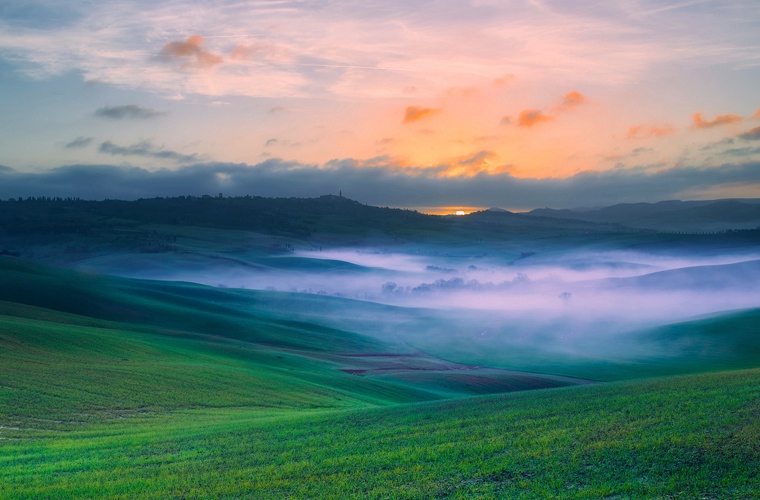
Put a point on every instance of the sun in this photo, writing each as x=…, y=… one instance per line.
x=460, y=212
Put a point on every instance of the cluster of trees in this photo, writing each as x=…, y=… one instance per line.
x=458, y=283
x=298, y=217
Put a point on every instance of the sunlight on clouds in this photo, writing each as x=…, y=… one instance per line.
x=547, y=88
x=647, y=131
x=416, y=113
x=530, y=117
x=190, y=50
x=699, y=121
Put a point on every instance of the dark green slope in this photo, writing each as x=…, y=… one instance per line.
x=81, y=347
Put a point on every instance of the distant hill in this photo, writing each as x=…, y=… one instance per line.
x=190, y=230
x=673, y=215
x=301, y=218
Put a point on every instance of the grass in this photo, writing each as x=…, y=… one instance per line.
x=81, y=348
x=684, y=437
x=122, y=388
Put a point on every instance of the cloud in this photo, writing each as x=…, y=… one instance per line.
x=416, y=113
x=504, y=79
x=129, y=111
x=756, y=116
x=191, y=51
x=378, y=182
x=571, y=100
x=461, y=92
x=751, y=135
x=264, y=51
x=478, y=158
x=276, y=109
x=479, y=163
x=741, y=152
x=606, y=46
x=530, y=117
x=648, y=131
x=145, y=149
x=282, y=143
x=700, y=122
x=79, y=142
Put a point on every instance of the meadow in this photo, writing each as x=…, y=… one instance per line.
x=542, y=360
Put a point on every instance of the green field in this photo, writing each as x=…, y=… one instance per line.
x=685, y=437
x=111, y=387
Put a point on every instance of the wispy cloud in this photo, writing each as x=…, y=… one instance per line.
x=79, y=142
x=531, y=117
x=191, y=52
x=647, y=131
x=571, y=100
x=741, y=152
x=698, y=120
x=261, y=51
x=129, y=111
x=417, y=113
x=751, y=135
x=504, y=79
x=145, y=149
x=117, y=42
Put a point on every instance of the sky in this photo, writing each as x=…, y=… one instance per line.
x=457, y=104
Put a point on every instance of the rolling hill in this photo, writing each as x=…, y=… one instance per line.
x=674, y=215
x=120, y=388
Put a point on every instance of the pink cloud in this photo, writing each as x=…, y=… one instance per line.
x=259, y=51
x=572, y=99
x=647, y=131
x=416, y=113
x=192, y=51
x=503, y=80
x=700, y=122
x=530, y=117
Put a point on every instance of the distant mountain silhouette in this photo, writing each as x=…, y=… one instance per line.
x=672, y=215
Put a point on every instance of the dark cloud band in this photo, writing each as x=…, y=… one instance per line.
x=377, y=183
x=127, y=112
x=147, y=150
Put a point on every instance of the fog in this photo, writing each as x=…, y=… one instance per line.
x=633, y=287
x=581, y=303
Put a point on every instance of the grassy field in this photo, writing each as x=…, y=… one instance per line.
x=685, y=437
x=111, y=387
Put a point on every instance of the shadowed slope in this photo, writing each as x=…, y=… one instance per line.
x=78, y=347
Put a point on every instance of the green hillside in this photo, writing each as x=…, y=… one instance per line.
x=120, y=388
x=77, y=347
x=686, y=437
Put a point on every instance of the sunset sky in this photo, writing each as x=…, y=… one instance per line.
x=511, y=103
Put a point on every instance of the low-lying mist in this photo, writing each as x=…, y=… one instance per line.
x=576, y=303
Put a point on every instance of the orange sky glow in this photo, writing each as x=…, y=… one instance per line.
x=532, y=90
